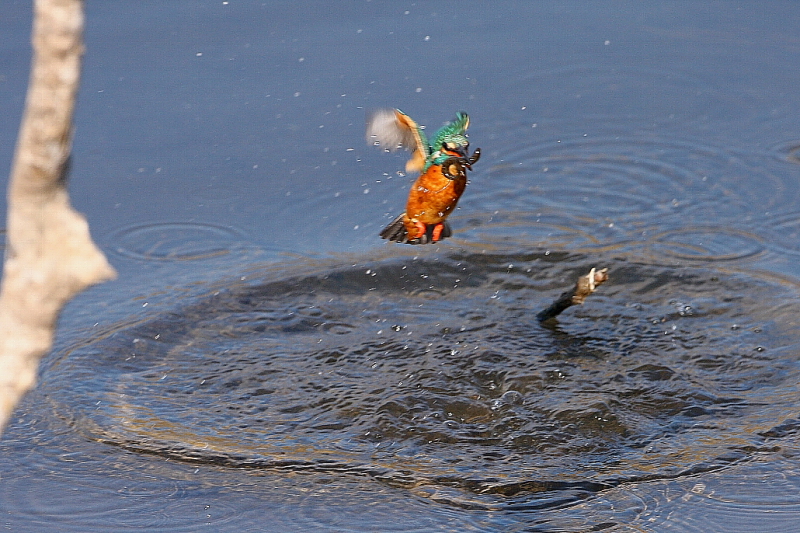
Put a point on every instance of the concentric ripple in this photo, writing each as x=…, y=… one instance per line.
x=625, y=176
x=588, y=193
x=708, y=244
x=745, y=498
x=785, y=233
x=430, y=373
x=179, y=497
x=174, y=241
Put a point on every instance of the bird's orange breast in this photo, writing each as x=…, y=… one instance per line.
x=433, y=196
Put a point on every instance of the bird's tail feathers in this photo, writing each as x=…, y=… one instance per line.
x=396, y=232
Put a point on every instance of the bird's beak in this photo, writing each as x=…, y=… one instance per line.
x=463, y=155
x=458, y=152
x=471, y=160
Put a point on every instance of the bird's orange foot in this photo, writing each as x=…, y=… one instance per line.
x=437, y=232
x=422, y=229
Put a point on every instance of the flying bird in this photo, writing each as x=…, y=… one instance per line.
x=442, y=165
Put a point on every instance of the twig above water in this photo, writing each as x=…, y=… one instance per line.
x=585, y=286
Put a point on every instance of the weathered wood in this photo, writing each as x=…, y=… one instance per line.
x=584, y=287
x=50, y=256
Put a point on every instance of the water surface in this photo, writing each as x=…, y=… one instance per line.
x=266, y=362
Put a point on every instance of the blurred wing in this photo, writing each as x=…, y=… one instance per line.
x=392, y=129
x=384, y=129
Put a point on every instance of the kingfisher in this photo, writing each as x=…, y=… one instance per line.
x=442, y=165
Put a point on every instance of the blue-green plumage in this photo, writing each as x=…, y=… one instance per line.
x=451, y=137
x=442, y=164
x=393, y=129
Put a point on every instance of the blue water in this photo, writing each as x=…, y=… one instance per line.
x=266, y=362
